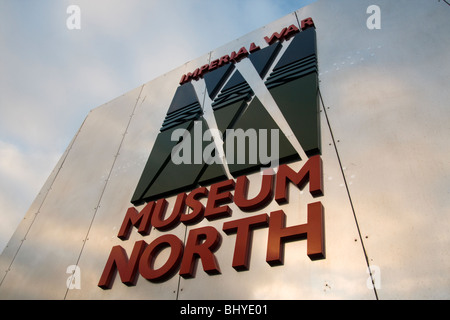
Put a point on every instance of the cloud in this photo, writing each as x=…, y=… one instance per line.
x=22, y=175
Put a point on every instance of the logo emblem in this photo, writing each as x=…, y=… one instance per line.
x=293, y=85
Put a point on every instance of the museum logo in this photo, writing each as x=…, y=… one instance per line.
x=205, y=163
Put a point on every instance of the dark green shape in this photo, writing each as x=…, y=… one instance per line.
x=293, y=71
x=236, y=89
x=212, y=173
x=184, y=96
x=176, y=178
x=215, y=79
x=298, y=101
x=184, y=107
x=225, y=117
x=294, y=86
x=299, y=59
x=159, y=157
x=236, y=80
x=302, y=46
x=263, y=58
x=256, y=117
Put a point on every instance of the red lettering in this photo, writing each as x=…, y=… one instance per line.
x=184, y=79
x=312, y=171
x=196, y=74
x=214, y=64
x=307, y=23
x=291, y=30
x=197, y=207
x=263, y=198
x=253, y=47
x=189, y=76
x=204, y=69
x=158, y=220
x=286, y=33
x=170, y=266
x=275, y=36
x=238, y=56
x=242, y=228
x=312, y=231
x=201, y=243
x=218, y=195
x=241, y=53
x=137, y=219
x=224, y=60
x=118, y=260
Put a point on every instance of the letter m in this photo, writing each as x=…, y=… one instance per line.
x=141, y=220
x=311, y=170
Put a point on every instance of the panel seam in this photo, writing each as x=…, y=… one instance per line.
x=42, y=202
x=348, y=194
x=107, y=180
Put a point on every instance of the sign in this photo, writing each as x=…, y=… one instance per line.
x=186, y=162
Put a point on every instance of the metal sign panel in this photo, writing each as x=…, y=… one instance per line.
x=381, y=186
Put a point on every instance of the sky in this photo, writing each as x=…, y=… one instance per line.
x=52, y=74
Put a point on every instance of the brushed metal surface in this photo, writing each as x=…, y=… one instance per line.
x=59, y=230
x=385, y=95
x=14, y=244
x=152, y=103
